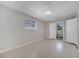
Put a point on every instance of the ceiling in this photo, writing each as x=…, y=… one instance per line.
x=57, y=10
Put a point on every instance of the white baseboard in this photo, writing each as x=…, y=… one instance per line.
x=18, y=46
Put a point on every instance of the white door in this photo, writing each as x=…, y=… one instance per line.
x=52, y=31
x=71, y=31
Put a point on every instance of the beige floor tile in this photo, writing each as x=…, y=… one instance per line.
x=44, y=49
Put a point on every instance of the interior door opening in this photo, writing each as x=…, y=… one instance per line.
x=59, y=31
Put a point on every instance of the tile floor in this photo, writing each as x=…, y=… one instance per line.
x=44, y=49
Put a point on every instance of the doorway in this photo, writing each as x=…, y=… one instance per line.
x=59, y=31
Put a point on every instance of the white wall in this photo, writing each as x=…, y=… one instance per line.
x=71, y=31
x=52, y=30
x=78, y=27
x=12, y=31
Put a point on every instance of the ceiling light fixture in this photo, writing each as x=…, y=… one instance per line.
x=48, y=13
